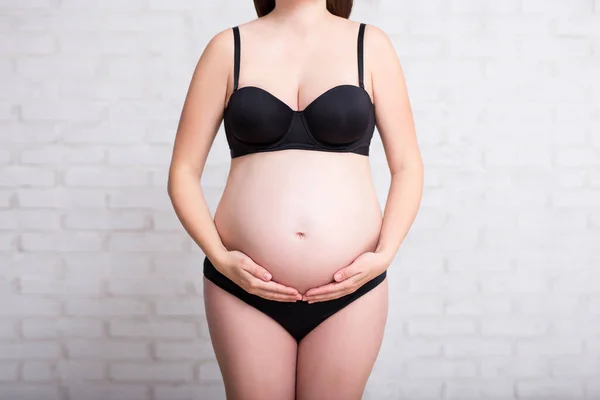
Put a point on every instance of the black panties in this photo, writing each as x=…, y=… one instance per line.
x=298, y=318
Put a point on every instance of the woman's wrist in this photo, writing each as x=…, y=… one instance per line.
x=217, y=256
x=386, y=254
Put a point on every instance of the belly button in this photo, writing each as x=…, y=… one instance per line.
x=300, y=235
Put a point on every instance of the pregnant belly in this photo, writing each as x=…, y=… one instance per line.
x=302, y=215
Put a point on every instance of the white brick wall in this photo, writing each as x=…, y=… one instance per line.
x=495, y=290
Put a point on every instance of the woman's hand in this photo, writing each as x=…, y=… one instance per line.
x=347, y=280
x=255, y=279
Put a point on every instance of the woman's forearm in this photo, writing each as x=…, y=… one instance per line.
x=401, y=209
x=192, y=210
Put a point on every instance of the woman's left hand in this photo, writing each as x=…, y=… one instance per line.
x=348, y=279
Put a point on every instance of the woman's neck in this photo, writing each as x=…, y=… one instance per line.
x=301, y=14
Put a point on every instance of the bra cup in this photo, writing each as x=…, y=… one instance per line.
x=255, y=117
x=339, y=118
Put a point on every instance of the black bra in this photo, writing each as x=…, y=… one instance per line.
x=342, y=119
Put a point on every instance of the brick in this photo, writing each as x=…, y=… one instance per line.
x=575, y=366
x=28, y=44
x=549, y=346
x=36, y=265
x=549, y=387
x=74, y=371
x=417, y=305
x=578, y=25
x=153, y=329
x=572, y=157
x=477, y=305
x=23, y=306
x=166, y=222
x=558, y=7
x=154, y=199
x=7, y=328
x=60, y=197
x=105, y=5
x=60, y=288
x=156, y=372
x=8, y=242
x=19, y=391
x=38, y=219
x=536, y=305
x=33, y=351
x=481, y=389
x=510, y=282
x=440, y=326
x=195, y=350
x=446, y=283
x=58, y=328
x=5, y=198
x=89, y=176
x=210, y=372
x=63, y=111
x=131, y=133
x=38, y=372
x=107, y=391
x=105, y=220
x=147, y=287
x=29, y=5
x=441, y=368
x=517, y=25
x=511, y=327
x=514, y=367
x=63, y=155
x=106, y=307
x=106, y=350
x=592, y=387
x=152, y=242
x=78, y=241
x=190, y=391
x=16, y=176
x=8, y=112
x=180, y=307
x=437, y=25
x=476, y=347
x=140, y=155
x=9, y=372
x=31, y=132
x=553, y=49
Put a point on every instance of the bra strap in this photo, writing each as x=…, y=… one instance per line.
x=236, y=57
x=361, y=36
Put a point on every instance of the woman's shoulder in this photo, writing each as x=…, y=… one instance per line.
x=377, y=42
x=375, y=33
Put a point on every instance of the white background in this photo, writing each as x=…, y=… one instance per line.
x=495, y=293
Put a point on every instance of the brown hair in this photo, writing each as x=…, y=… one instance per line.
x=341, y=8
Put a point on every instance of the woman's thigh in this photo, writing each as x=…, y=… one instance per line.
x=336, y=358
x=257, y=357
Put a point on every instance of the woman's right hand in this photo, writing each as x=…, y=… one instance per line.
x=254, y=279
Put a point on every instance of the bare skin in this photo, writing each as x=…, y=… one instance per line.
x=289, y=221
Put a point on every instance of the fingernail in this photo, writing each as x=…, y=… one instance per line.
x=338, y=276
x=267, y=276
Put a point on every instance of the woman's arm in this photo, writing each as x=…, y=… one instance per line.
x=198, y=125
x=200, y=120
x=395, y=124
x=396, y=127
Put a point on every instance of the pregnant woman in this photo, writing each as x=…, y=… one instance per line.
x=295, y=284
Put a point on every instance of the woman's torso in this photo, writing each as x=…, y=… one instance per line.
x=301, y=214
